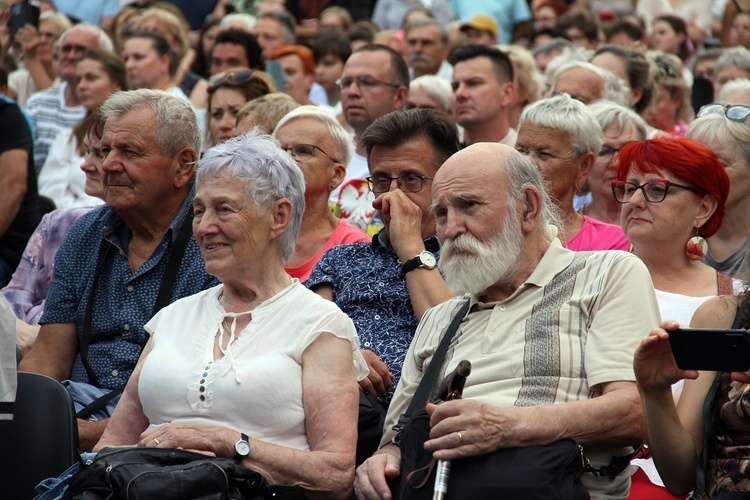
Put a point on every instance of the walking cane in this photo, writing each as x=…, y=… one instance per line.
x=449, y=389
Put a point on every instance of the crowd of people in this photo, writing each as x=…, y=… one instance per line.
x=225, y=221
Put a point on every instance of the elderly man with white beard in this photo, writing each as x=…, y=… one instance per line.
x=550, y=332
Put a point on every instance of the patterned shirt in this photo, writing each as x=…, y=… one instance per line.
x=28, y=289
x=124, y=299
x=368, y=287
x=50, y=114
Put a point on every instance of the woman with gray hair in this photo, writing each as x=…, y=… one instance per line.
x=257, y=368
x=620, y=126
x=322, y=148
x=726, y=130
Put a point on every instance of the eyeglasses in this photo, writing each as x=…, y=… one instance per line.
x=665, y=67
x=735, y=112
x=407, y=183
x=653, y=191
x=365, y=83
x=234, y=76
x=607, y=153
x=77, y=49
x=305, y=152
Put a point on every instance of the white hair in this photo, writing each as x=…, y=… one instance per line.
x=103, y=40
x=436, y=87
x=608, y=113
x=341, y=138
x=244, y=22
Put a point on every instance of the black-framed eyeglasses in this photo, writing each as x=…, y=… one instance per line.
x=366, y=83
x=654, y=191
x=238, y=76
x=407, y=183
x=76, y=49
x=735, y=112
x=606, y=153
x=305, y=152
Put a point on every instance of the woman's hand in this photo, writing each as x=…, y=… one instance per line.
x=653, y=362
x=209, y=439
x=28, y=37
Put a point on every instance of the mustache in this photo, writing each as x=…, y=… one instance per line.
x=464, y=243
x=419, y=58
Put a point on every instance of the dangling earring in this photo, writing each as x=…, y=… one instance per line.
x=696, y=247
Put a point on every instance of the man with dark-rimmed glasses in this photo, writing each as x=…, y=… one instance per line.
x=374, y=82
x=386, y=285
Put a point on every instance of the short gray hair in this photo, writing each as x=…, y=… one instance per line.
x=736, y=56
x=341, y=138
x=436, y=87
x=564, y=113
x=610, y=113
x=733, y=86
x=104, y=41
x=176, y=121
x=521, y=172
x=614, y=88
x=426, y=21
x=715, y=129
x=269, y=175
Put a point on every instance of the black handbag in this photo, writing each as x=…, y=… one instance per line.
x=536, y=472
x=532, y=473
x=164, y=473
x=369, y=426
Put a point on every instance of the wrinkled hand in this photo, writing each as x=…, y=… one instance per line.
x=372, y=476
x=201, y=438
x=28, y=37
x=403, y=218
x=380, y=379
x=653, y=362
x=484, y=429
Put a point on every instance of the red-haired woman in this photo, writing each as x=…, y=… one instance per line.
x=673, y=193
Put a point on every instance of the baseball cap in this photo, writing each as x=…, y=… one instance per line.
x=481, y=22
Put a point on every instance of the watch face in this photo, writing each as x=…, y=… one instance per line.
x=428, y=260
x=242, y=448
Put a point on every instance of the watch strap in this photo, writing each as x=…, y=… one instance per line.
x=410, y=265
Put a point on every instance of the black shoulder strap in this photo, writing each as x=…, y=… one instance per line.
x=162, y=299
x=709, y=428
x=430, y=376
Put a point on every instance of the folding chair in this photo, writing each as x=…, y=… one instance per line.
x=42, y=439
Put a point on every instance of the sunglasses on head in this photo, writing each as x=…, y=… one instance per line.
x=734, y=112
x=238, y=76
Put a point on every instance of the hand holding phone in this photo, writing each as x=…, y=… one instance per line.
x=711, y=349
x=22, y=14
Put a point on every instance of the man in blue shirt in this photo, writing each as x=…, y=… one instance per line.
x=386, y=285
x=111, y=266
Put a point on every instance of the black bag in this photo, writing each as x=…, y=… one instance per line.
x=536, y=472
x=164, y=473
x=369, y=426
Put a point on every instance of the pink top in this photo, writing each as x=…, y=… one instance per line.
x=597, y=235
x=344, y=233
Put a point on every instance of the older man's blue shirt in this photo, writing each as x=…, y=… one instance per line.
x=124, y=299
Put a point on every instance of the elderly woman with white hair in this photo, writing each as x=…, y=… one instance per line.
x=726, y=130
x=430, y=91
x=620, y=126
x=322, y=148
x=257, y=368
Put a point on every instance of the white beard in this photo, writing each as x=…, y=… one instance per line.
x=472, y=266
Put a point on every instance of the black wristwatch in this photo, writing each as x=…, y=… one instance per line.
x=241, y=448
x=424, y=259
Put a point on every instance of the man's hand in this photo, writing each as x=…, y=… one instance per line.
x=403, y=218
x=372, y=476
x=380, y=379
x=89, y=433
x=483, y=429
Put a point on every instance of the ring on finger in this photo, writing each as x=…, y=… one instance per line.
x=460, y=438
x=156, y=441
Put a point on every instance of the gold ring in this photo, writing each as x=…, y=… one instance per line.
x=157, y=441
x=460, y=438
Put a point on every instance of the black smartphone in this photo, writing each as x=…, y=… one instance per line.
x=22, y=14
x=711, y=350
